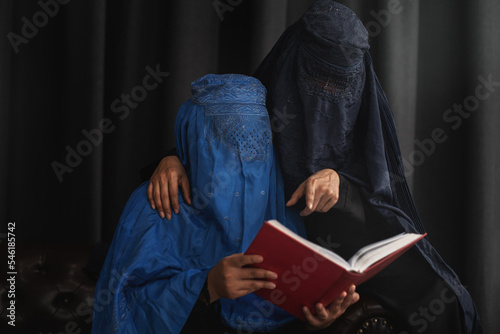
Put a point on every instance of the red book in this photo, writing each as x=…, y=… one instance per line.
x=309, y=273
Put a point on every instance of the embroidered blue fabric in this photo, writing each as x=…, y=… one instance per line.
x=155, y=269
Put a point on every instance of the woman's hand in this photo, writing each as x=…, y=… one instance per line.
x=228, y=278
x=321, y=190
x=164, y=186
x=326, y=316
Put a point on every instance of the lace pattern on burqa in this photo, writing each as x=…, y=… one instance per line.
x=235, y=115
x=247, y=136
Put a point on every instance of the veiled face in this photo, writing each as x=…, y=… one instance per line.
x=316, y=79
x=225, y=141
x=331, y=98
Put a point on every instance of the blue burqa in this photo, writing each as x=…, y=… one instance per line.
x=155, y=269
x=328, y=110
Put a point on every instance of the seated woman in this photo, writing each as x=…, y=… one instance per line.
x=189, y=274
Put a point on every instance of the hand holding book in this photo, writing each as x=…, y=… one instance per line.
x=232, y=278
x=326, y=315
x=309, y=274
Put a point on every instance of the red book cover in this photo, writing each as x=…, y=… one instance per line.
x=308, y=273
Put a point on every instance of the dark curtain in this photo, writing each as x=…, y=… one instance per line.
x=89, y=92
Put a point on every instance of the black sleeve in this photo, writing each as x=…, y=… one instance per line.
x=172, y=151
x=203, y=316
x=148, y=170
x=350, y=203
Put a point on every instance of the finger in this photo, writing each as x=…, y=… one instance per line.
x=335, y=306
x=323, y=199
x=249, y=286
x=311, y=201
x=185, y=189
x=163, y=194
x=310, y=318
x=257, y=273
x=245, y=260
x=326, y=204
x=241, y=260
x=297, y=194
x=321, y=312
x=164, y=190
x=150, y=196
x=316, y=197
x=173, y=189
x=157, y=199
x=349, y=299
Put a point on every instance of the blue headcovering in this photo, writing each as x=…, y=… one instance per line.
x=155, y=269
x=328, y=110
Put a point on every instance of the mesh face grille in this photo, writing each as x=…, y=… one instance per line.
x=336, y=84
x=247, y=137
x=249, y=140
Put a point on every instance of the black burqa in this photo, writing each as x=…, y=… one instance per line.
x=328, y=110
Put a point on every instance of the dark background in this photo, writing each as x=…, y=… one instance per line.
x=62, y=78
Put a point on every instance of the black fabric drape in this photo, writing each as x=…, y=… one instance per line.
x=69, y=71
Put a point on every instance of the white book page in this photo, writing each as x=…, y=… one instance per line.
x=373, y=253
x=364, y=257
x=318, y=249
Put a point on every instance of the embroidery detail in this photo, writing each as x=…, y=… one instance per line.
x=335, y=83
x=247, y=137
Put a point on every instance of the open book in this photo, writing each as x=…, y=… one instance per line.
x=309, y=273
